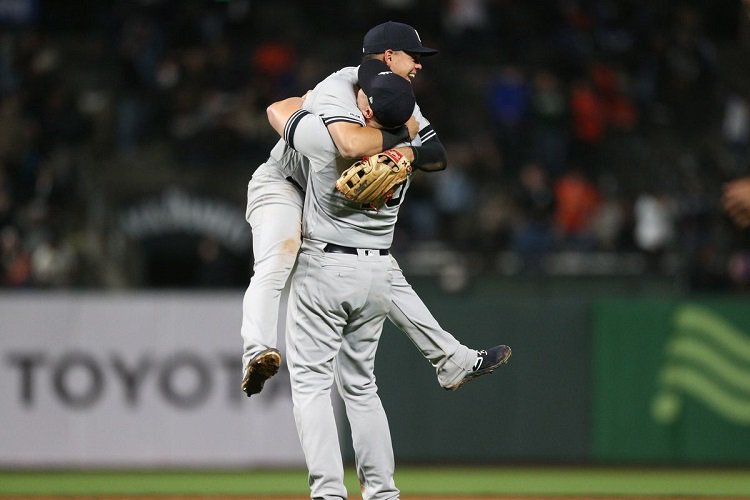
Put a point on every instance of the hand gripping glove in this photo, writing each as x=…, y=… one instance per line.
x=374, y=179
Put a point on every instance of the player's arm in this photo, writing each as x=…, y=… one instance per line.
x=430, y=155
x=279, y=112
x=301, y=130
x=356, y=137
x=355, y=141
x=336, y=102
x=361, y=141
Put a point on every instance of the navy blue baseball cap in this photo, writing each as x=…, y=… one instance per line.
x=390, y=96
x=395, y=36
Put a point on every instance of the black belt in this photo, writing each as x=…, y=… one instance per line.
x=331, y=248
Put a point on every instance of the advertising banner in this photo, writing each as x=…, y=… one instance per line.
x=111, y=380
x=672, y=381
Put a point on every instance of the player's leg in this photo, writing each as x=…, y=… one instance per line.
x=454, y=363
x=274, y=211
x=354, y=368
x=312, y=341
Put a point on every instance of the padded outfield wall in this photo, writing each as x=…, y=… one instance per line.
x=134, y=380
x=151, y=380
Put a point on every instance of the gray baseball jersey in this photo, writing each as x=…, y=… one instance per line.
x=333, y=218
x=328, y=216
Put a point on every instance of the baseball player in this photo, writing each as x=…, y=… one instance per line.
x=275, y=197
x=339, y=298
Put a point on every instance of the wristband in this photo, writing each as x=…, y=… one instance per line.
x=393, y=137
x=429, y=156
x=414, y=162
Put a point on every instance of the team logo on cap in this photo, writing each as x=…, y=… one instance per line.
x=418, y=38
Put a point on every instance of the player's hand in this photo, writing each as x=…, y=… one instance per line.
x=736, y=201
x=413, y=127
x=407, y=151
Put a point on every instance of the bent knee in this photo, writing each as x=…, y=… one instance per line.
x=274, y=268
x=291, y=247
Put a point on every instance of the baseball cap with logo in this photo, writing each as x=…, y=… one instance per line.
x=394, y=36
x=390, y=96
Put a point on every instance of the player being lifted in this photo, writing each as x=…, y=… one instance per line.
x=274, y=211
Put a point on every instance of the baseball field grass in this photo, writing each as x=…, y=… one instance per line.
x=414, y=482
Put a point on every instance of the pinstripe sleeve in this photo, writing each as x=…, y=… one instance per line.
x=307, y=134
x=291, y=126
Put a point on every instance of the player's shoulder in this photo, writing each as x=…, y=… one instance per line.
x=334, y=98
x=344, y=76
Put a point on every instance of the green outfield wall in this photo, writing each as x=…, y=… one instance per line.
x=671, y=381
x=535, y=408
x=620, y=377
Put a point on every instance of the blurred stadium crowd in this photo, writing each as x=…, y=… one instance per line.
x=573, y=128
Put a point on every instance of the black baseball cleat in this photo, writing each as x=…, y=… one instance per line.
x=487, y=361
x=261, y=368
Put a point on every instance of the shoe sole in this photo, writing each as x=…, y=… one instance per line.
x=483, y=371
x=264, y=366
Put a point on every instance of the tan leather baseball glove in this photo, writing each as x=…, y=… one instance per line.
x=374, y=179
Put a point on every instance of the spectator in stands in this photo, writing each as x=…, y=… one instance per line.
x=735, y=129
x=15, y=261
x=549, y=109
x=533, y=233
x=455, y=195
x=54, y=263
x=576, y=203
x=654, y=214
x=588, y=125
x=509, y=111
x=179, y=84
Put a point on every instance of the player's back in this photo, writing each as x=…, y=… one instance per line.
x=328, y=216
